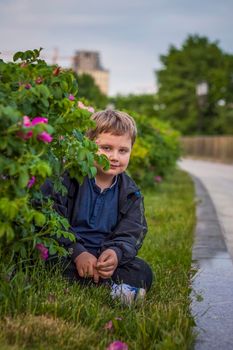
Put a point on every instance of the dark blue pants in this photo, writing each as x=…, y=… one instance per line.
x=136, y=272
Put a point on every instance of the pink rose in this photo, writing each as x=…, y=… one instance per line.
x=81, y=105
x=26, y=121
x=39, y=80
x=71, y=97
x=158, y=178
x=24, y=136
x=44, y=252
x=27, y=86
x=39, y=120
x=28, y=135
x=91, y=109
x=31, y=182
x=45, y=137
x=108, y=325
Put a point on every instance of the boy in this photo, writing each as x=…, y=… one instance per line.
x=106, y=215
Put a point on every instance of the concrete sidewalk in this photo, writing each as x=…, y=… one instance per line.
x=212, y=296
x=218, y=180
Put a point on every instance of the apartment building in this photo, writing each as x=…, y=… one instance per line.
x=89, y=62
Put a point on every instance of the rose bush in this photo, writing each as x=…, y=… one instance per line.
x=42, y=128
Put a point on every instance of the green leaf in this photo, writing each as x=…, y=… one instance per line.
x=64, y=86
x=39, y=218
x=52, y=250
x=6, y=229
x=44, y=91
x=81, y=154
x=41, y=168
x=93, y=171
x=9, y=233
x=13, y=168
x=22, y=251
x=23, y=179
x=45, y=102
x=69, y=235
x=79, y=136
x=90, y=158
x=9, y=208
x=3, y=143
x=2, y=229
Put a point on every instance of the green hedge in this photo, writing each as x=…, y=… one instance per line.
x=155, y=152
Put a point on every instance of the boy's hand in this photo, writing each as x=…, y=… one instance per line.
x=86, y=265
x=107, y=263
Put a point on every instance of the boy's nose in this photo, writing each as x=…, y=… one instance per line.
x=114, y=155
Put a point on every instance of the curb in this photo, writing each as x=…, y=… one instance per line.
x=212, y=286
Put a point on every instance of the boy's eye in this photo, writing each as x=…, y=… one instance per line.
x=105, y=148
x=123, y=151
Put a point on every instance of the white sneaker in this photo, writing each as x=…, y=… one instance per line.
x=126, y=293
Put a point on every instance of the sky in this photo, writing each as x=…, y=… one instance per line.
x=129, y=34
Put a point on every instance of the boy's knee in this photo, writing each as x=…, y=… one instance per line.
x=147, y=273
x=136, y=273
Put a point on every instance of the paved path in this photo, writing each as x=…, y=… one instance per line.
x=212, y=296
x=218, y=180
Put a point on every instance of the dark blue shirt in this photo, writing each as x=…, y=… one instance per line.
x=97, y=213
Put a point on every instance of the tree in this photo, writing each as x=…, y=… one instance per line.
x=145, y=104
x=197, y=60
x=88, y=89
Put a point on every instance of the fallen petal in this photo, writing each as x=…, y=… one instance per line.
x=108, y=325
x=117, y=345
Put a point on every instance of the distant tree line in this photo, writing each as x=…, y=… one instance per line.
x=179, y=99
x=198, y=60
x=88, y=89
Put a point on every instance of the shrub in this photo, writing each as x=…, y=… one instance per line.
x=155, y=152
x=42, y=126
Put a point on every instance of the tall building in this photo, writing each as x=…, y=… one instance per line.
x=89, y=62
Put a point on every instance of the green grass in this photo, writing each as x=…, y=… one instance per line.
x=39, y=310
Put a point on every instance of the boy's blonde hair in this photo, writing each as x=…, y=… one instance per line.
x=114, y=122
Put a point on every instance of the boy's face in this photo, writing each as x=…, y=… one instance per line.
x=117, y=148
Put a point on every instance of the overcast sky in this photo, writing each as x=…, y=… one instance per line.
x=129, y=34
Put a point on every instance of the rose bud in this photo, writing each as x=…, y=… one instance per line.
x=27, y=86
x=56, y=71
x=39, y=80
x=23, y=65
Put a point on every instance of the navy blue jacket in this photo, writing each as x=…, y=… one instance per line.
x=128, y=235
